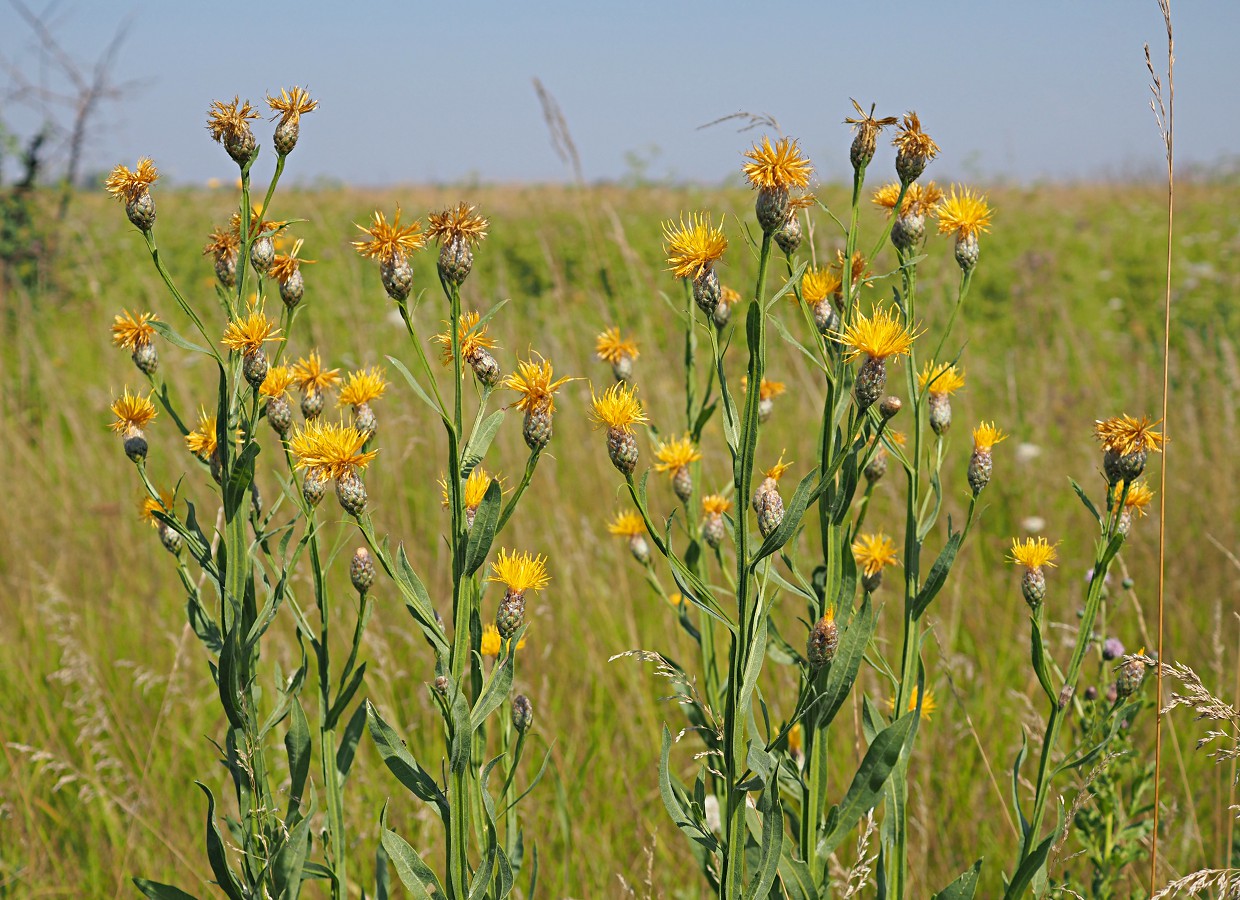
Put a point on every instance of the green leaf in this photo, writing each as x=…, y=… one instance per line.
x=1033, y=864
x=795, y=876
x=401, y=762
x=297, y=746
x=349, y=741
x=345, y=697
x=157, y=891
x=848, y=656
x=418, y=602
x=230, y=679
x=938, y=574
x=414, y=874
x=764, y=873
x=1020, y=759
x=462, y=733
x=479, y=442
x=804, y=495
x=787, y=336
x=1038, y=650
x=216, y=854
x=168, y=334
x=482, y=533
x=290, y=860
x=498, y=685
x=237, y=490
x=418, y=390
x=1089, y=505
x=671, y=802
x=963, y=887
x=793, y=280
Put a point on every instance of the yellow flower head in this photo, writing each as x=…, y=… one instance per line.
x=928, y=707
x=912, y=141
x=627, y=524
x=878, y=335
x=472, y=338
x=874, y=552
x=675, y=598
x=729, y=296
x=492, y=643
x=675, y=454
x=310, y=376
x=247, y=335
x=258, y=225
x=777, y=168
x=229, y=121
x=330, y=449
x=475, y=488
x=796, y=739
x=716, y=505
x=521, y=572
x=222, y=243
x=279, y=379
x=610, y=348
x=363, y=386
x=986, y=435
x=777, y=471
x=1124, y=435
x=767, y=389
x=203, y=440
x=130, y=186
x=133, y=413
x=286, y=265
x=290, y=106
x=918, y=199
x=866, y=127
x=533, y=381
x=819, y=284
x=1032, y=554
x=387, y=242
x=133, y=332
x=965, y=213
x=460, y=223
x=859, y=273
x=693, y=248
x=617, y=408
x=148, y=506
x=943, y=378
x=1138, y=498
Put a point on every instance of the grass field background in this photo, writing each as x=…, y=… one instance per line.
x=1063, y=326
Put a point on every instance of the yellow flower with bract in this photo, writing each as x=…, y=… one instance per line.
x=965, y=214
x=290, y=106
x=132, y=332
x=716, y=504
x=859, y=273
x=729, y=296
x=819, y=284
x=942, y=378
x=223, y=242
x=520, y=571
x=492, y=643
x=457, y=223
x=133, y=413
x=919, y=199
x=476, y=486
x=928, y=707
x=1136, y=500
x=867, y=128
x=1124, y=435
x=617, y=408
x=229, y=121
x=874, y=552
x=309, y=374
x=286, y=265
x=693, y=248
x=767, y=389
x=777, y=471
x=796, y=739
x=248, y=334
x=203, y=441
x=777, y=168
x=148, y=506
x=279, y=379
x=626, y=524
x=912, y=141
x=1032, y=554
x=675, y=454
x=877, y=336
x=533, y=380
x=130, y=186
x=986, y=435
x=388, y=241
x=611, y=348
x=330, y=449
x=363, y=386
x=472, y=338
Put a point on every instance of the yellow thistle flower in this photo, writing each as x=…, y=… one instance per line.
x=476, y=486
x=912, y=141
x=132, y=332
x=258, y=225
x=819, y=284
x=796, y=740
x=965, y=214
x=472, y=338
x=492, y=643
x=290, y=106
x=148, y=506
x=777, y=471
x=943, y=378
x=867, y=129
x=627, y=524
x=330, y=449
x=777, y=168
x=986, y=435
x=768, y=389
x=899, y=438
x=457, y=223
x=610, y=348
x=675, y=454
x=133, y=413
x=363, y=386
x=918, y=199
x=692, y=248
x=928, y=707
x=1139, y=496
x=1124, y=435
x=279, y=379
x=309, y=374
x=203, y=441
x=729, y=296
x=877, y=336
x=533, y=381
x=675, y=598
x=286, y=265
x=389, y=241
x=617, y=408
x=247, y=335
x=1032, y=554
x=130, y=186
x=716, y=505
x=229, y=121
x=222, y=242
x=874, y=552
x=520, y=571
x=859, y=273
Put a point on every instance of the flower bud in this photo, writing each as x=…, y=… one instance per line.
x=522, y=713
x=362, y=570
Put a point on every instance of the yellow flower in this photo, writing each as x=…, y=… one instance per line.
x=1138, y=498
x=626, y=524
x=285, y=266
x=131, y=186
x=729, y=296
x=874, y=552
x=1032, y=554
x=617, y=408
x=309, y=374
x=767, y=389
x=363, y=386
x=457, y=223
x=778, y=167
x=867, y=128
x=520, y=571
x=860, y=272
x=777, y=471
x=675, y=598
x=472, y=337
x=492, y=643
x=964, y=213
x=148, y=506
x=878, y=336
x=227, y=121
x=796, y=739
x=203, y=440
x=692, y=248
x=258, y=225
x=330, y=449
x=133, y=332
x=290, y=106
x=912, y=141
x=390, y=241
x=610, y=348
x=247, y=335
x=986, y=435
x=927, y=708
x=533, y=381
x=819, y=284
x=675, y=454
x=279, y=379
x=1124, y=435
x=223, y=242
x=918, y=199
x=716, y=505
x=133, y=413
x=943, y=378
x=476, y=486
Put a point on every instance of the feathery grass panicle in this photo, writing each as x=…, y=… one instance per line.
x=520, y=571
x=777, y=167
x=694, y=247
x=617, y=408
x=363, y=386
x=133, y=413
x=130, y=186
x=389, y=241
x=471, y=335
x=330, y=449
x=131, y=332
x=533, y=380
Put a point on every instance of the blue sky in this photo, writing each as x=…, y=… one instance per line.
x=418, y=92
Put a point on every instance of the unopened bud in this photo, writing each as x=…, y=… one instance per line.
x=362, y=570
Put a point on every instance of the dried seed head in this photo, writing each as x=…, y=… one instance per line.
x=914, y=149
x=824, y=638
x=522, y=713
x=290, y=106
x=362, y=570
x=229, y=124
x=866, y=131
x=441, y=685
